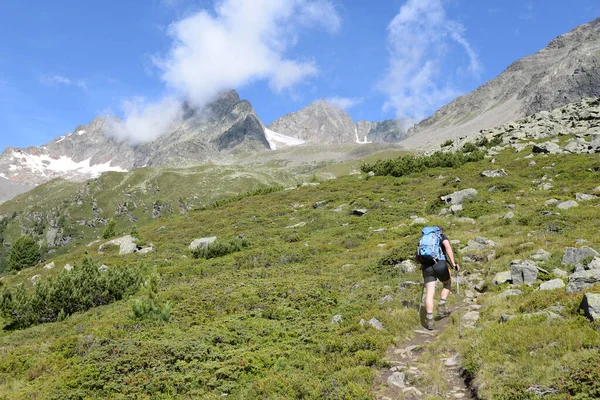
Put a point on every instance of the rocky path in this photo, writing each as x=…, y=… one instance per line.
x=411, y=363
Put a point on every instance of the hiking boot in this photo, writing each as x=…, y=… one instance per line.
x=429, y=323
x=443, y=311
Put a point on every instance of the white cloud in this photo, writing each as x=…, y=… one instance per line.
x=240, y=42
x=145, y=121
x=345, y=103
x=58, y=80
x=420, y=39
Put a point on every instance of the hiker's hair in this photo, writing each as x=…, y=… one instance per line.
x=440, y=228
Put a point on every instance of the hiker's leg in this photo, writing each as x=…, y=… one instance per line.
x=429, y=293
x=446, y=290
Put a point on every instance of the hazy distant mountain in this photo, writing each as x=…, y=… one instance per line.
x=567, y=70
x=324, y=123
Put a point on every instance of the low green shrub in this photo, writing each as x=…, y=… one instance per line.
x=53, y=299
x=408, y=164
x=447, y=143
x=109, y=231
x=219, y=249
x=149, y=307
x=25, y=252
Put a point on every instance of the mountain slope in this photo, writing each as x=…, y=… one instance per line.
x=324, y=123
x=567, y=70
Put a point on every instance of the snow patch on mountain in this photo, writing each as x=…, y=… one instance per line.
x=45, y=164
x=275, y=139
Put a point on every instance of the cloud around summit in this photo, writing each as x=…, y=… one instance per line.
x=236, y=44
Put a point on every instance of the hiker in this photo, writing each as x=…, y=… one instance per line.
x=436, y=256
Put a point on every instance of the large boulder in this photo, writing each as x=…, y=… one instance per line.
x=541, y=255
x=202, y=242
x=591, y=306
x=501, y=277
x=546, y=148
x=565, y=205
x=594, y=264
x=573, y=255
x=494, y=173
x=523, y=272
x=408, y=266
x=459, y=197
x=583, y=280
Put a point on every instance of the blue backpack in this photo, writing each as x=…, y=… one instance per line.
x=430, y=245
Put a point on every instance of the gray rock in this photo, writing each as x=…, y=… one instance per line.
x=510, y=292
x=573, y=255
x=35, y=279
x=546, y=148
x=320, y=204
x=465, y=220
x=419, y=221
x=380, y=230
x=501, y=277
x=408, y=266
x=560, y=273
x=541, y=255
x=456, y=208
x=460, y=196
x=553, y=284
x=202, y=242
x=386, y=299
x=591, y=306
x=509, y=215
x=594, y=264
x=565, y=205
x=103, y=268
x=147, y=249
x=523, y=272
x=585, y=197
x=505, y=318
x=68, y=267
x=579, y=267
x=494, y=173
x=126, y=245
x=396, y=380
x=375, y=324
x=583, y=280
x=471, y=316
x=336, y=319
x=551, y=201
x=359, y=212
x=49, y=266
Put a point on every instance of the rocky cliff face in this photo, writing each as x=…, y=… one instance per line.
x=567, y=70
x=323, y=123
x=227, y=125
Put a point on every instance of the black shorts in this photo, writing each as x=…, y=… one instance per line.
x=439, y=270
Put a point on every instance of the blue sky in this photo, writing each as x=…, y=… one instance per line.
x=63, y=63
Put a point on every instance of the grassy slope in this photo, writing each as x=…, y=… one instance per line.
x=257, y=324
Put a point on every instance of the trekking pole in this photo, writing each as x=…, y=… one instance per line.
x=458, y=299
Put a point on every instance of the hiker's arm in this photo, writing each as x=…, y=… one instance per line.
x=450, y=254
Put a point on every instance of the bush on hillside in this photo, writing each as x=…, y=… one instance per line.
x=53, y=299
x=149, y=306
x=25, y=252
x=110, y=230
x=405, y=165
x=219, y=249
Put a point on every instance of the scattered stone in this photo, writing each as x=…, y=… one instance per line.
x=68, y=267
x=531, y=163
x=456, y=208
x=471, y=316
x=340, y=208
x=565, y=205
x=501, y=277
x=494, y=173
x=585, y=197
x=376, y=324
x=573, y=255
x=504, y=318
x=591, y=306
x=396, y=380
x=541, y=255
x=336, y=319
x=523, y=272
x=49, y=266
x=408, y=266
x=386, y=299
x=452, y=361
x=594, y=264
x=202, y=242
x=126, y=245
x=380, y=230
x=313, y=184
x=553, y=284
x=580, y=241
x=560, y=273
x=34, y=279
x=550, y=202
x=460, y=196
x=509, y=215
x=406, y=284
x=320, y=204
x=103, y=268
x=380, y=245
x=359, y=212
x=546, y=148
x=419, y=221
x=466, y=220
x=481, y=286
x=146, y=250
x=510, y=292
x=582, y=280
